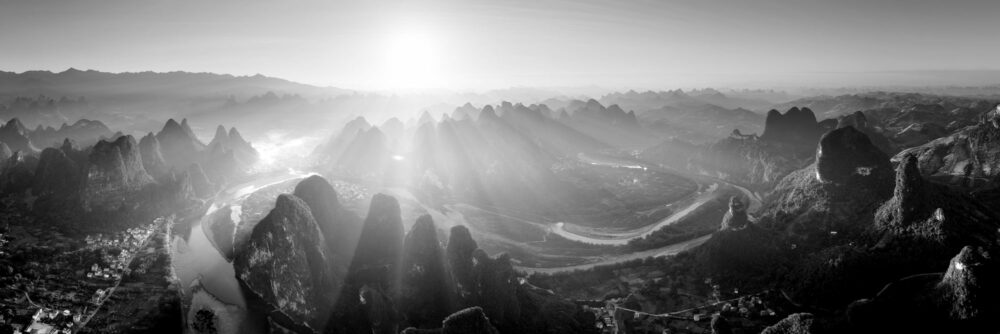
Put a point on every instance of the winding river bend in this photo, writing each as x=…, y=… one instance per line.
x=709, y=189
x=202, y=269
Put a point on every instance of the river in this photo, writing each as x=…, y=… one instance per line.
x=198, y=259
x=709, y=190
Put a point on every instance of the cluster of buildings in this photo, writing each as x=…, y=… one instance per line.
x=748, y=312
x=49, y=305
x=128, y=241
x=605, y=317
x=130, y=238
x=99, y=295
x=747, y=307
x=42, y=321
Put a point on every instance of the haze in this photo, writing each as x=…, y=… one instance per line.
x=478, y=45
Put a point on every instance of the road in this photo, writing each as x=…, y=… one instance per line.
x=128, y=264
x=669, y=250
x=620, y=238
x=605, y=237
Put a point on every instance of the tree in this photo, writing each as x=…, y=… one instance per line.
x=204, y=322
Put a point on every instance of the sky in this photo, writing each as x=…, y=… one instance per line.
x=487, y=44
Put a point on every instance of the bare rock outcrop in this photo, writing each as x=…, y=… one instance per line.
x=284, y=266
x=929, y=212
x=736, y=217
x=795, y=125
x=969, y=158
x=113, y=173
x=847, y=156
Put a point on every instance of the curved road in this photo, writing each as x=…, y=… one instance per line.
x=619, y=238
x=669, y=250
x=597, y=237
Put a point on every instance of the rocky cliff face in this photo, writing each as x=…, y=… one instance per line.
x=933, y=213
x=736, y=217
x=749, y=161
x=178, y=144
x=17, y=173
x=104, y=184
x=847, y=157
x=497, y=288
x=232, y=141
x=794, y=126
x=963, y=299
x=798, y=323
x=968, y=286
x=114, y=172
x=849, y=180
x=426, y=292
x=285, y=266
x=459, y=257
x=152, y=156
x=221, y=230
x=15, y=135
x=969, y=158
x=341, y=228
x=760, y=162
x=374, y=273
x=228, y=154
x=379, y=251
x=5, y=152
x=56, y=174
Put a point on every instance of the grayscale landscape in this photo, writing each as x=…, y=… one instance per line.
x=488, y=167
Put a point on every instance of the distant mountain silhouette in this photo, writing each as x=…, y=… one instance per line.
x=650, y=100
x=794, y=126
x=228, y=155
x=85, y=132
x=92, y=84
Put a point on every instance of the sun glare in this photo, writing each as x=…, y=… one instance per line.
x=411, y=60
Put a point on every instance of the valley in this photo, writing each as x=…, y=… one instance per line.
x=682, y=211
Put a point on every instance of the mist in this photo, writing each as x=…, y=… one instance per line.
x=499, y=167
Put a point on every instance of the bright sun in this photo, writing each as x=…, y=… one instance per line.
x=411, y=60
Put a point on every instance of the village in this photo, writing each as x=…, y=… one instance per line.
x=54, y=283
x=747, y=313
x=647, y=296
